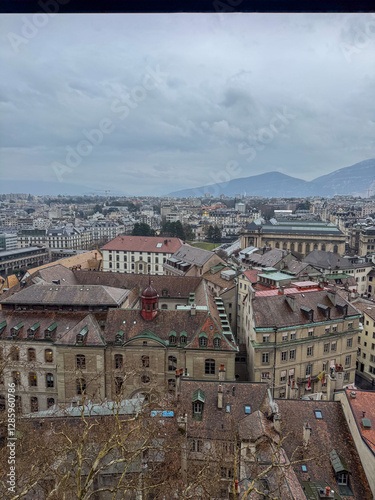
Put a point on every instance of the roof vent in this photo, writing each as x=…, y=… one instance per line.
x=353, y=394
x=366, y=423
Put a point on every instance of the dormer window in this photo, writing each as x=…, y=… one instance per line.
x=172, y=337
x=341, y=471
x=198, y=400
x=119, y=337
x=183, y=337
x=203, y=339
x=80, y=338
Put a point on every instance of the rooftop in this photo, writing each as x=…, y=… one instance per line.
x=153, y=244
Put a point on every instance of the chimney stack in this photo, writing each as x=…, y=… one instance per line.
x=220, y=397
x=306, y=434
x=222, y=373
x=277, y=423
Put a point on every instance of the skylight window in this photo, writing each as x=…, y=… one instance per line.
x=159, y=245
x=318, y=414
x=247, y=410
x=304, y=468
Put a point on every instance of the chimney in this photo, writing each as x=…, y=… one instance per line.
x=277, y=423
x=306, y=434
x=331, y=294
x=281, y=291
x=193, y=309
x=291, y=300
x=220, y=397
x=222, y=373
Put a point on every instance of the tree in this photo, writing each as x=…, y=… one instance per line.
x=142, y=229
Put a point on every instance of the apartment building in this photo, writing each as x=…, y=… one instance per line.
x=297, y=335
x=138, y=254
x=191, y=261
x=366, y=341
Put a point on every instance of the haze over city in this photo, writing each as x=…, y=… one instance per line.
x=178, y=97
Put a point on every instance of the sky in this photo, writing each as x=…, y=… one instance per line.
x=153, y=103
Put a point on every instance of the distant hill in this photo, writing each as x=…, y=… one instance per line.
x=52, y=188
x=353, y=180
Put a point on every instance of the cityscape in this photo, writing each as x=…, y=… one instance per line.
x=187, y=296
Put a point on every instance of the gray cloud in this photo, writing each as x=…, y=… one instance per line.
x=223, y=81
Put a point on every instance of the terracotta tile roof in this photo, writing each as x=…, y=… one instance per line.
x=252, y=275
x=364, y=402
x=69, y=294
x=154, y=244
x=275, y=310
x=218, y=423
x=93, y=337
x=9, y=282
x=327, y=434
x=173, y=286
x=55, y=272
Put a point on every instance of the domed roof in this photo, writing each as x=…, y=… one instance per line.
x=149, y=293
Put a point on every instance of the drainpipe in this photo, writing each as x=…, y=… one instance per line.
x=274, y=363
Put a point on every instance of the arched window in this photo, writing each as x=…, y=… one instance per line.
x=50, y=402
x=81, y=386
x=80, y=362
x=118, y=384
x=31, y=356
x=119, y=361
x=315, y=246
x=285, y=245
x=300, y=247
x=49, y=380
x=14, y=353
x=164, y=306
x=34, y=405
x=277, y=245
x=48, y=356
x=217, y=342
x=33, y=380
x=145, y=379
x=323, y=247
x=209, y=367
x=172, y=363
x=292, y=247
x=145, y=360
x=183, y=337
x=307, y=247
x=335, y=249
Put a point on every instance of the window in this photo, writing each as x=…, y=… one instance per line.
x=183, y=339
x=33, y=380
x=308, y=370
x=326, y=348
x=283, y=376
x=48, y=356
x=247, y=409
x=304, y=468
x=217, y=343
x=292, y=354
x=49, y=380
x=14, y=354
x=310, y=350
x=292, y=335
x=327, y=330
x=284, y=355
x=164, y=306
x=333, y=346
x=118, y=385
x=197, y=408
x=34, y=406
x=342, y=478
x=265, y=375
x=196, y=445
x=119, y=361
x=348, y=360
x=31, y=355
x=285, y=337
x=209, y=367
x=334, y=328
x=202, y=342
x=346, y=377
x=16, y=376
x=80, y=362
x=318, y=414
x=266, y=338
x=349, y=342
x=265, y=358
x=50, y=402
x=310, y=332
x=2, y=403
x=81, y=386
x=172, y=363
x=145, y=361
x=171, y=384
x=350, y=326
x=172, y=338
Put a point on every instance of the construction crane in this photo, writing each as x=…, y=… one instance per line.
x=106, y=191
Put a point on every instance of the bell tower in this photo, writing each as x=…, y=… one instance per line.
x=150, y=302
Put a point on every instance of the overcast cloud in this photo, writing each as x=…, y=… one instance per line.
x=179, y=96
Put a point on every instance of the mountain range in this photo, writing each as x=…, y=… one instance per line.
x=356, y=180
